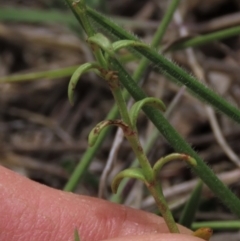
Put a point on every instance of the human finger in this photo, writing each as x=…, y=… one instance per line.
x=31, y=211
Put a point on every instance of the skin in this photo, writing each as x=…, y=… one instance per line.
x=31, y=211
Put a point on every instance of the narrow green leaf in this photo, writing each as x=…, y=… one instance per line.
x=205, y=39
x=191, y=207
x=10, y=14
x=101, y=41
x=220, y=225
x=48, y=74
x=75, y=78
x=126, y=43
x=96, y=131
x=136, y=173
x=151, y=101
x=172, y=157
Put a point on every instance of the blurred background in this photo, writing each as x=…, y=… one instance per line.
x=43, y=137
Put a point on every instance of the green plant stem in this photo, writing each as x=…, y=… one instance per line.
x=205, y=39
x=156, y=191
x=122, y=108
x=36, y=16
x=70, y=5
x=146, y=167
x=132, y=137
x=142, y=159
x=222, y=225
x=139, y=73
x=49, y=74
x=165, y=22
x=141, y=156
x=89, y=154
x=155, y=188
x=152, y=184
x=147, y=147
x=11, y=14
x=114, y=85
x=178, y=143
x=79, y=8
